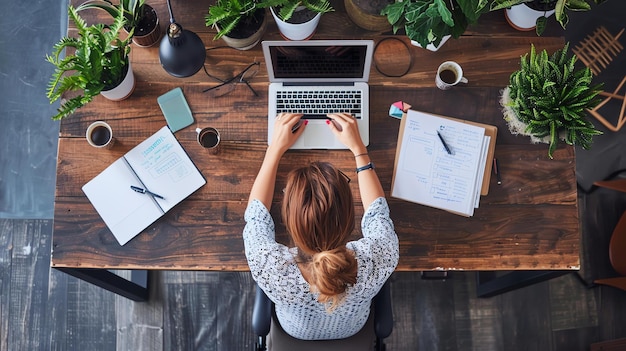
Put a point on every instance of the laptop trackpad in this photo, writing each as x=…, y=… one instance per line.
x=318, y=135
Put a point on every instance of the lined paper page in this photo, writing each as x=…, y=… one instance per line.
x=428, y=175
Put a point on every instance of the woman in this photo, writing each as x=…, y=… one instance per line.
x=322, y=288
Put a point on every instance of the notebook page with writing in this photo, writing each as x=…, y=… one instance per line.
x=164, y=168
x=158, y=164
x=426, y=174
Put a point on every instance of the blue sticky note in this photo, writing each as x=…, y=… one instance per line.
x=395, y=112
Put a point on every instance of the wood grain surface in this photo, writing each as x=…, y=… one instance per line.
x=529, y=222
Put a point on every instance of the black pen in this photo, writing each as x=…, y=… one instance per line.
x=145, y=191
x=444, y=143
x=496, y=169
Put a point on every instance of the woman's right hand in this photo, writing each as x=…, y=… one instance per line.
x=346, y=129
x=287, y=129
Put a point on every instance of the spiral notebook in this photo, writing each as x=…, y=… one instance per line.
x=161, y=167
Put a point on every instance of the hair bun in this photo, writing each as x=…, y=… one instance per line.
x=333, y=271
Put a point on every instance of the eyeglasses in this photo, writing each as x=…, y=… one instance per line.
x=229, y=85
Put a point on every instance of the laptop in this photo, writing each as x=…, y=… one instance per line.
x=316, y=77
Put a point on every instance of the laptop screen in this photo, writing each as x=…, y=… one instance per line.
x=319, y=61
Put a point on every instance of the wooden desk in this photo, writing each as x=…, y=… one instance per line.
x=530, y=222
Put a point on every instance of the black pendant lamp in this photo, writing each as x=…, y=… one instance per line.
x=181, y=52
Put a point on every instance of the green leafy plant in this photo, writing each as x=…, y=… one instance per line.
x=133, y=10
x=547, y=99
x=286, y=8
x=560, y=6
x=429, y=21
x=99, y=62
x=227, y=14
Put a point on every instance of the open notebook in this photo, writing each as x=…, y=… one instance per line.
x=159, y=165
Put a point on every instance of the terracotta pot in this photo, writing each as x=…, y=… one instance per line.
x=299, y=31
x=124, y=89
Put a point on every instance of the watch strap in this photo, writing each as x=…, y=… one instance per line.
x=369, y=165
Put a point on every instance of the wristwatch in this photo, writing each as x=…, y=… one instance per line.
x=370, y=165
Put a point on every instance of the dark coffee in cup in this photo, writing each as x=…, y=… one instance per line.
x=100, y=135
x=209, y=138
x=448, y=76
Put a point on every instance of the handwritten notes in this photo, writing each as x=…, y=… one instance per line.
x=426, y=174
x=158, y=164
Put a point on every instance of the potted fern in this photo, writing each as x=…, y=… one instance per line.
x=297, y=19
x=430, y=23
x=99, y=64
x=533, y=14
x=547, y=99
x=240, y=23
x=140, y=17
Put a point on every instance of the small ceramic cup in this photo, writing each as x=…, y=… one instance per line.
x=449, y=74
x=100, y=135
x=209, y=138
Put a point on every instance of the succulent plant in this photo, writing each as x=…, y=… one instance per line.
x=547, y=99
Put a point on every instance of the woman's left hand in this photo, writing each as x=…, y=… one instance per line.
x=287, y=129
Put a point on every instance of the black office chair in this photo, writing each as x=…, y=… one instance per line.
x=383, y=317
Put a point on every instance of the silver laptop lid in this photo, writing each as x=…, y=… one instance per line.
x=313, y=61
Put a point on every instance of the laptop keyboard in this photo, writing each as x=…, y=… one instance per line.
x=316, y=104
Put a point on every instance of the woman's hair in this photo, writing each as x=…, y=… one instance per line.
x=318, y=211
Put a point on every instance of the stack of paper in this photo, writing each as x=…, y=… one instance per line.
x=426, y=173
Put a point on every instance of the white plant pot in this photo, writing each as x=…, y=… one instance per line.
x=522, y=17
x=123, y=90
x=432, y=47
x=300, y=31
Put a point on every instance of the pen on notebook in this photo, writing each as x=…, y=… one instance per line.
x=496, y=169
x=145, y=191
x=445, y=145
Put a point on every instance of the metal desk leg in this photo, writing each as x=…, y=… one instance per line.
x=135, y=289
x=488, y=284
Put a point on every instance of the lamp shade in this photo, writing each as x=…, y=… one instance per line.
x=181, y=52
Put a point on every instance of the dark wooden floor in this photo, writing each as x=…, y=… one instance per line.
x=43, y=309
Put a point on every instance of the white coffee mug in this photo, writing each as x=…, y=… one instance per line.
x=449, y=74
x=99, y=134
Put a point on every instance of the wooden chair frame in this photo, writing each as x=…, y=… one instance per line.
x=621, y=119
x=598, y=49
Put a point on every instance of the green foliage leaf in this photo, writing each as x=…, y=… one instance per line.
x=99, y=61
x=540, y=25
x=394, y=11
x=551, y=96
x=503, y=4
x=429, y=21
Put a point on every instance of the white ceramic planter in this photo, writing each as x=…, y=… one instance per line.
x=522, y=17
x=123, y=90
x=432, y=47
x=300, y=31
